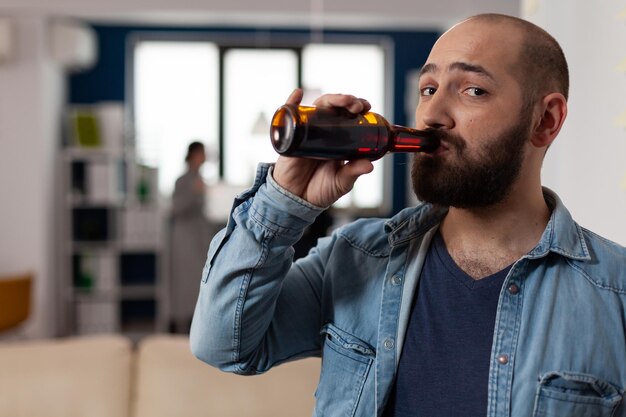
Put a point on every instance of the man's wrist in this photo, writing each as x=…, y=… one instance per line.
x=291, y=196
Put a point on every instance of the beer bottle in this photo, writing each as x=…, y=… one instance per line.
x=335, y=133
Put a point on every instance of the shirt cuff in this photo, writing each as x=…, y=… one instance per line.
x=273, y=184
x=274, y=206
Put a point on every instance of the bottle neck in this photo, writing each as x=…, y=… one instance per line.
x=406, y=139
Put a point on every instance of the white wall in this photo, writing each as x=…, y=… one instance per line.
x=587, y=164
x=389, y=13
x=31, y=92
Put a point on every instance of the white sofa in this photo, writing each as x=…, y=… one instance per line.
x=106, y=376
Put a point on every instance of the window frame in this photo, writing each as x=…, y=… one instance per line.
x=284, y=40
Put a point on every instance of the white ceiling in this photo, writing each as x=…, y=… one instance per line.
x=401, y=14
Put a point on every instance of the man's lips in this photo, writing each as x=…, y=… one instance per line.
x=443, y=147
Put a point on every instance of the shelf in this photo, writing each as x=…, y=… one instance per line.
x=130, y=292
x=126, y=292
x=111, y=239
x=122, y=202
x=99, y=246
x=89, y=295
x=82, y=201
x=137, y=248
x=113, y=247
x=96, y=154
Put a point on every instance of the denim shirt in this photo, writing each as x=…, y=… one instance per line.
x=559, y=343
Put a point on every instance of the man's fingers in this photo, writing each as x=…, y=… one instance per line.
x=295, y=97
x=358, y=106
x=351, y=103
x=335, y=100
x=358, y=167
x=350, y=172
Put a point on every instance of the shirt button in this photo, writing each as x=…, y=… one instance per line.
x=396, y=280
x=388, y=344
x=513, y=289
x=503, y=359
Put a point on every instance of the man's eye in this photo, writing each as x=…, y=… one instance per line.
x=475, y=91
x=427, y=91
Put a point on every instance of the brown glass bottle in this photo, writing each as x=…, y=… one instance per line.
x=333, y=133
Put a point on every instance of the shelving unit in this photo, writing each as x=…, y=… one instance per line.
x=112, y=254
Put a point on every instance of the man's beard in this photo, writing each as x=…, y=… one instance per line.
x=471, y=183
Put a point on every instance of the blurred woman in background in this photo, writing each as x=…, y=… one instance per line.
x=190, y=239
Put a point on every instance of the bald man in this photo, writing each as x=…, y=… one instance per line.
x=486, y=299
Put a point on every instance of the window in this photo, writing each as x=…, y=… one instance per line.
x=176, y=90
x=177, y=99
x=339, y=68
x=256, y=82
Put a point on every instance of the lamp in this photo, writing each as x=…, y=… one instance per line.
x=73, y=44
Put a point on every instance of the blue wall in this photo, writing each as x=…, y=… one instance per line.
x=106, y=81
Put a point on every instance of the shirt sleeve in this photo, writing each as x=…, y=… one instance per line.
x=256, y=308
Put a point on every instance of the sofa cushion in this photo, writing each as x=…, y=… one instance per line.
x=172, y=382
x=73, y=377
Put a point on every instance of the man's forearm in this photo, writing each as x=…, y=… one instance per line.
x=250, y=292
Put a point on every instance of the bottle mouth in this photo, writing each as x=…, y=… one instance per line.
x=282, y=129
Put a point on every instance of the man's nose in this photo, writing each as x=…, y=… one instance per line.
x=435, y=113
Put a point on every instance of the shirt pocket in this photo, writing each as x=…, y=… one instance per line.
x=567, y=394
x=346, y=367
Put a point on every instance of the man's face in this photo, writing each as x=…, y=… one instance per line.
x=471, y=98
x=465, y=181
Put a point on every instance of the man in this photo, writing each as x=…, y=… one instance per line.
x=488, y=299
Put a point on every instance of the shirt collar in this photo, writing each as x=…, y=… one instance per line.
x=562, y=234
x=413, y=222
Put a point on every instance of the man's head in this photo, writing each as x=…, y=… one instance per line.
x=541, y=65
x=494, y=90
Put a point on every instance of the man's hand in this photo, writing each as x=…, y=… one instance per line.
x=322, y=182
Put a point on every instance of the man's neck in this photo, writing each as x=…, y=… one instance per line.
x=483, y=241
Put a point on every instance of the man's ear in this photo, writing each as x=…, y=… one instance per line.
x=553, y=110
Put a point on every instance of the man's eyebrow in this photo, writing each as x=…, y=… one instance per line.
x=458, y=66
x=427, y=69
x=477, y=69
